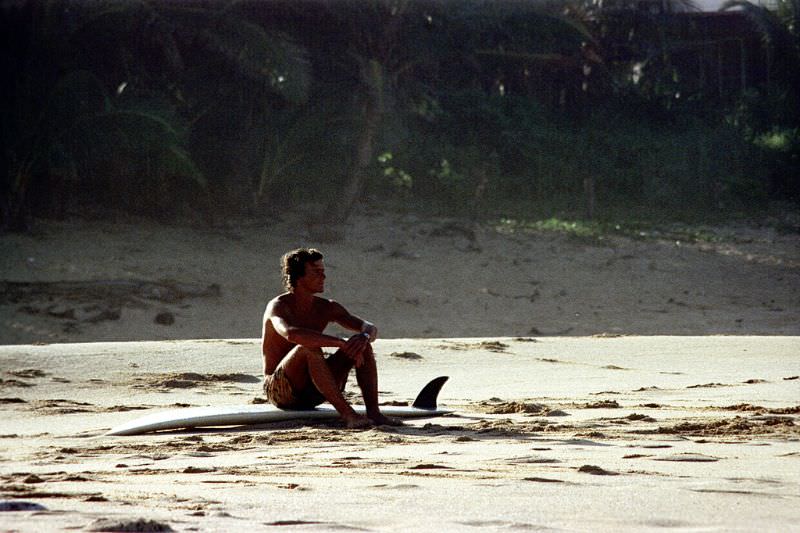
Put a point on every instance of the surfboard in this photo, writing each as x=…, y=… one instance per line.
x=424, y=406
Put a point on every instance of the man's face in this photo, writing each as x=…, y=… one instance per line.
x=313, y=280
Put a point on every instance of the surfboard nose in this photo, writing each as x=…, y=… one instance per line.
x=426, y=399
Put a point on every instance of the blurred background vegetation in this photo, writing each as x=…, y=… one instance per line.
x=209, y=109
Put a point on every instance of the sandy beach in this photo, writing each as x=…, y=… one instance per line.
x=413, y=277
x=552, y=434
x=614, y=384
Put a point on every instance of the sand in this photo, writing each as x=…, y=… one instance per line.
x=413, y=277
x=619, y=384
x=576, y=434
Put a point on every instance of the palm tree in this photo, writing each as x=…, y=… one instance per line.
x=393, y=52
x=128, y=79
x=80, y=127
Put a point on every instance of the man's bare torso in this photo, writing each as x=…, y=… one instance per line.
x=274, y=346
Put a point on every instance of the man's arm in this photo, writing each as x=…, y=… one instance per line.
x=344, y=318
x=309, y=338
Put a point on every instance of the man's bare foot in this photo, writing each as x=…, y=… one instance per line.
x=355, y=421
x=383, y=420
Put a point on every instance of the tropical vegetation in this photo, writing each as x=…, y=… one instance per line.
x=211, y=109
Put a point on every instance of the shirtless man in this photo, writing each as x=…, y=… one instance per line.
x=298, y=375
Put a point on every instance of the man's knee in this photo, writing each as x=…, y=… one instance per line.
x=299, y=359
x=306, y=352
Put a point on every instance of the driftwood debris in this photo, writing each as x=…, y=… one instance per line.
x=115, y=291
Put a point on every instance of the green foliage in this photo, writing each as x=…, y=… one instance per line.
x=302, y=145
x=514, y=148
x=399, y=178
x=147, y=105
x=82, y=128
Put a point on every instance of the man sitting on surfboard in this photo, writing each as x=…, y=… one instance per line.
x=298, y=375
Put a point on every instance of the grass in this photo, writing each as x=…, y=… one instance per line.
x=597, y=232
x=649, y=224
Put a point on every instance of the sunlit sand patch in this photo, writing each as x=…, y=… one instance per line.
x=188, y=380
x=746, y=407
x=61, y=406
x=729, y=427
x=501, y=407
x=510, y=428
x=489, y=346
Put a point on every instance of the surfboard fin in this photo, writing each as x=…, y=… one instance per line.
x=426, y=399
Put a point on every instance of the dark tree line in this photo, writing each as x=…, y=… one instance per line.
x=207, y=108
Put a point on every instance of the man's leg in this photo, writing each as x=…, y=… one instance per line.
x=304, y=367
x=367, y=377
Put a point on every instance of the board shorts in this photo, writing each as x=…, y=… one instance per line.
x=280, y=393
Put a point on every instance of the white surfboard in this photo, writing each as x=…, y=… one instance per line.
x=239, y=415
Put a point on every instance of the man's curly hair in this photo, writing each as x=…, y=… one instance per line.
x=293, y=265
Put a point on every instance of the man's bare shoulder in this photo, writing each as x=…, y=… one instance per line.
x=285, y=302
x=280, y=302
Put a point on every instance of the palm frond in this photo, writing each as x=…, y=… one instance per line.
x=267, y=57
x=127, y=135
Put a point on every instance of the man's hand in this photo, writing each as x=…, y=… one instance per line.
x=355, y=346
x=370, y=329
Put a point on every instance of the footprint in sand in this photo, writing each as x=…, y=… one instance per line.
x=688, y=458
x=532, y=459
x=489, y=346
x=596, y=471
x=140, y=524
x=708, y=386
x=27, y=373
x=4, y=401
x=603, y=404
x=15, y=383
x=408, y=356
x=19, y=505
x=428, y=466
x=61, y=406
x=401, y=486
x=503, y=408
